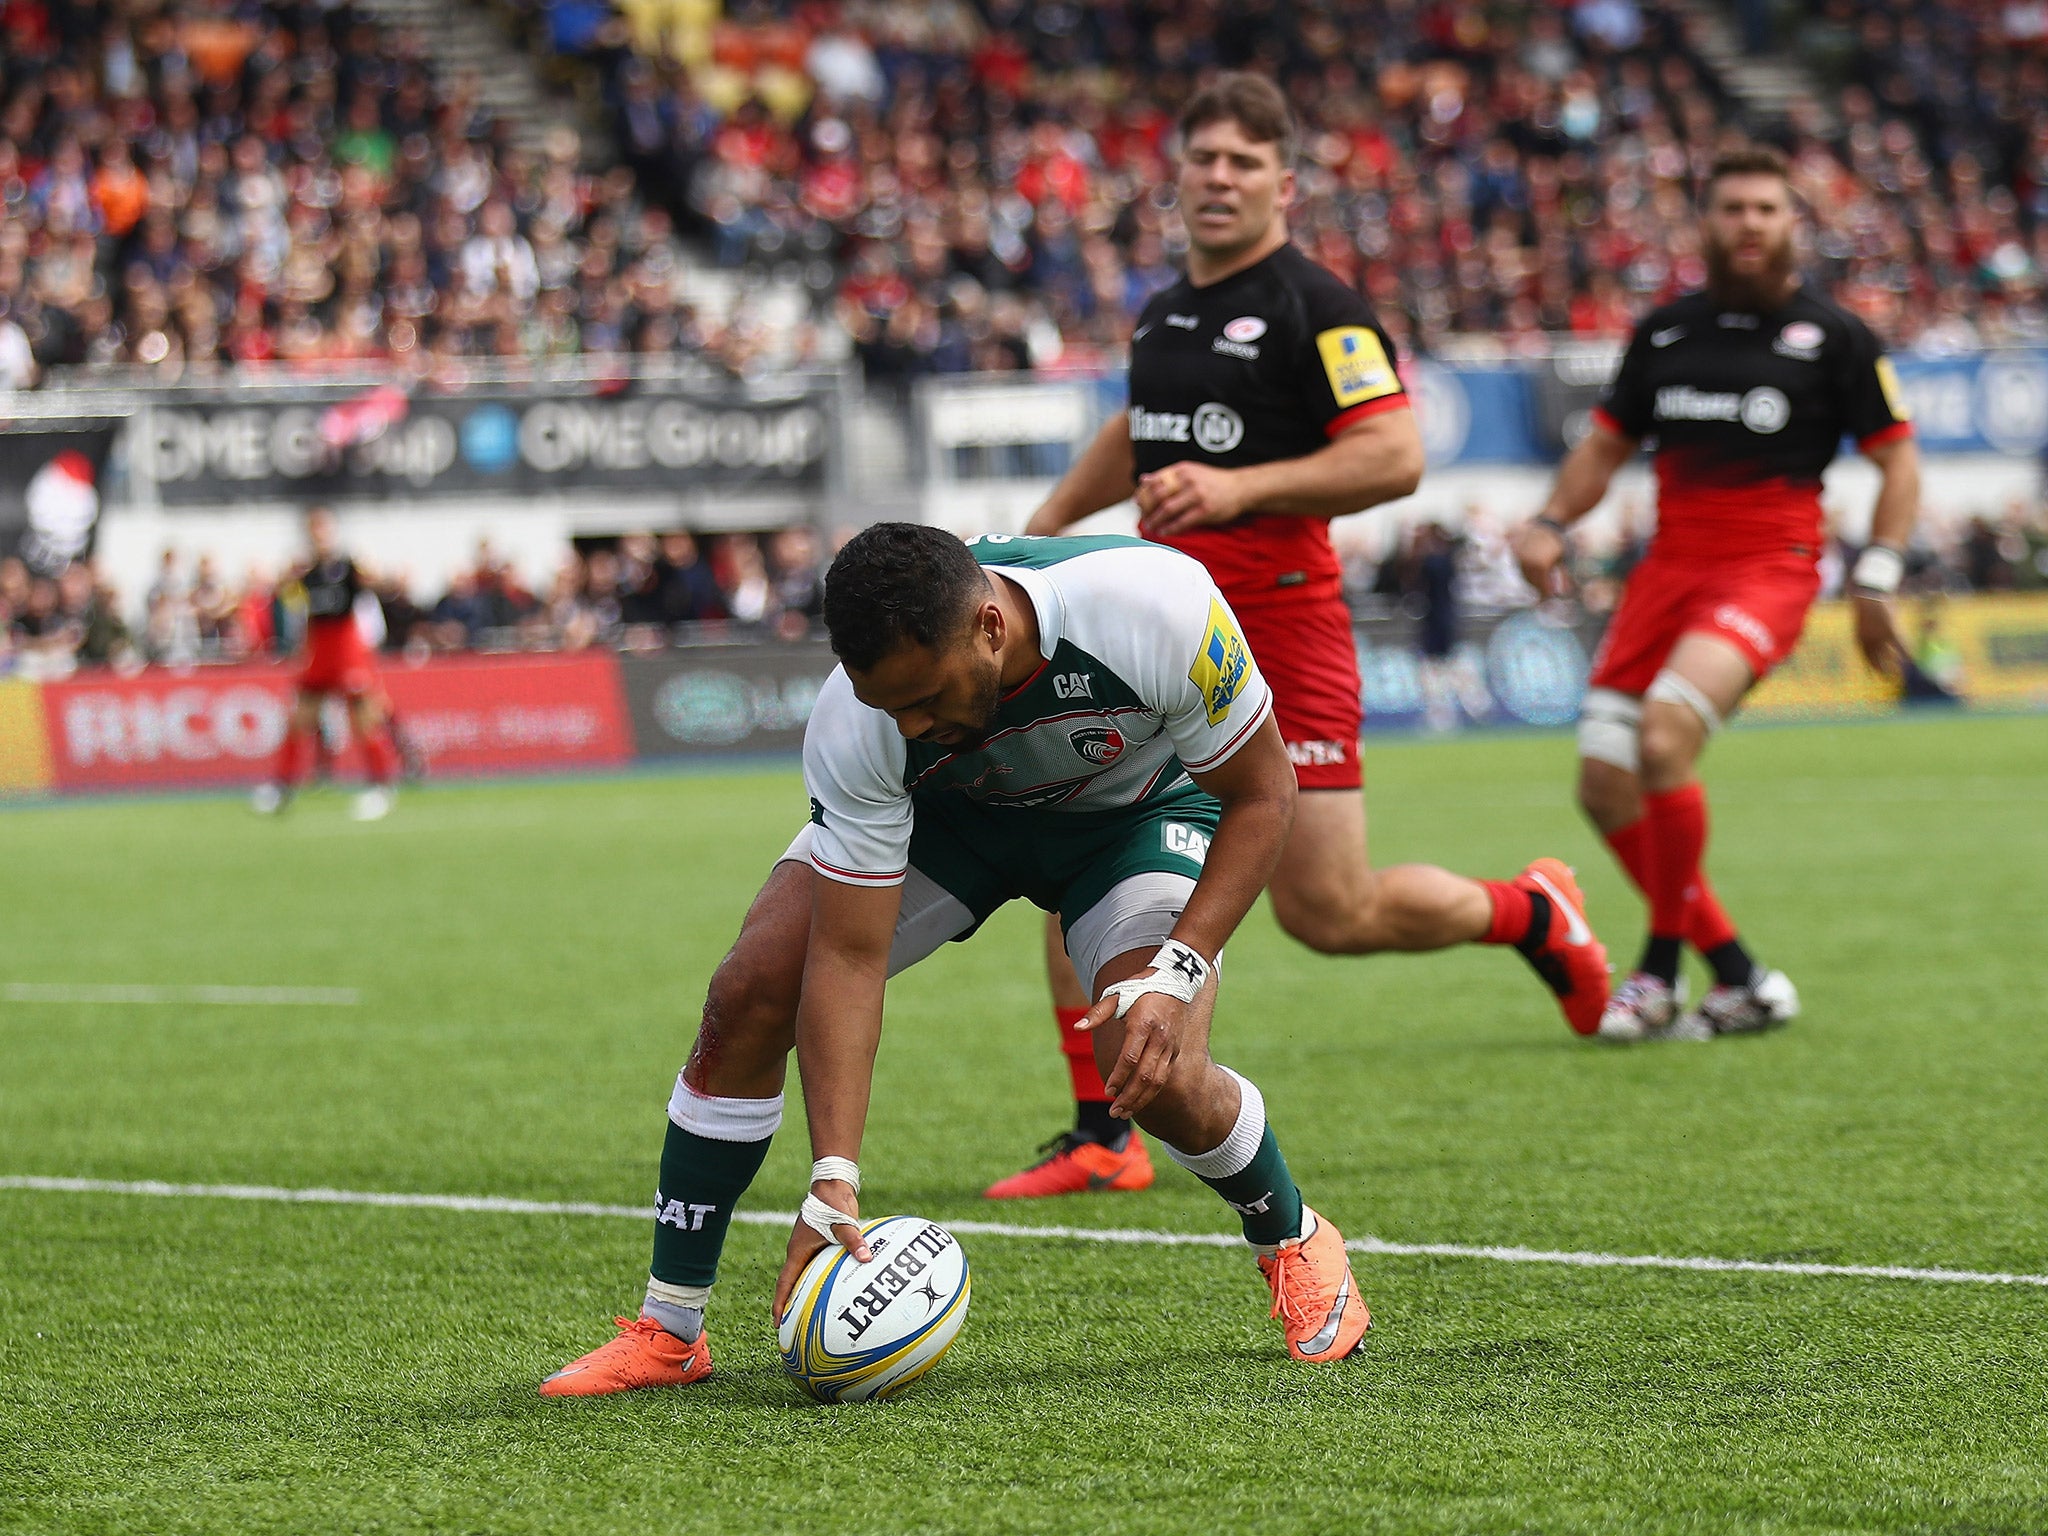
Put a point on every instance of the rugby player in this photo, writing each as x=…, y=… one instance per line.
x=1748, y=388
x=1263, y=403
x=1077, y=722
x=338, y=662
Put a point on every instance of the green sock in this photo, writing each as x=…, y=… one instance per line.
x=1250, y=1173
x=702, y=1179
x=1264, y=1195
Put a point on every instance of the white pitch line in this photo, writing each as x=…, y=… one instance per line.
x=502, y=1206
x=64, y=992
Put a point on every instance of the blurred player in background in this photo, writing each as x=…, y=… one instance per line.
x=340, y=662
x=1263, y=403
x=1748, y=388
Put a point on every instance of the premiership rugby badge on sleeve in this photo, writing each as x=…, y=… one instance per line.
x=1357, y=365
x=1894, y=399
x=1222, y=664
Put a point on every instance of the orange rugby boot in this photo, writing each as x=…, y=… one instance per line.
x=645, y=1354
x=1075, y=1167
x=1571, y=960
x=1315, y=1296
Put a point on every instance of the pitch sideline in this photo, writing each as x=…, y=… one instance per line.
x=504, y=1206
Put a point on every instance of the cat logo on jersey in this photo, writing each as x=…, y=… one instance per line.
x=1356, y=364
x=1222, y=664
x=1888, y=381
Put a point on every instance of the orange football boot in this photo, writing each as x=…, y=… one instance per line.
x=1075, y=1167
x=1315, y=1296
x=1572, y=960
x=645, y=1354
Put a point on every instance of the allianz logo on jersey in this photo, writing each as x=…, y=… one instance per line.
x=1213, y=428
x=1763, y=410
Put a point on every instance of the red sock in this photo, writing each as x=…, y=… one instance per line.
x=1079, y=1048
x=1511, y=913
x=1707, y=925
x=1631, y=845
x=295, y=758
x=382, y=754
x=1677, y=823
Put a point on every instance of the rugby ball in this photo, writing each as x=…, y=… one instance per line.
x=858, y=1331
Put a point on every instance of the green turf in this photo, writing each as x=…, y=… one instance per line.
x=531, y=957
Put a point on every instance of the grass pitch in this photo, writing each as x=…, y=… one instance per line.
x=529, y=960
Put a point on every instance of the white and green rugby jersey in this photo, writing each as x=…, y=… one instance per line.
x=1145, y=676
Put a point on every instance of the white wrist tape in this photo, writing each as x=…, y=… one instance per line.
x=1878, y=569
x=845, y=1169
x=822, y=1218
x=1177, y=971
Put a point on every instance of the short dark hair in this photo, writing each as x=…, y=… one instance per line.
x=1750, y=160
x=1251, y=101
x=897, y=582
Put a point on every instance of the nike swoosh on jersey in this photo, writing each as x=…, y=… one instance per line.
x=1664, y=338
x=1575, y=929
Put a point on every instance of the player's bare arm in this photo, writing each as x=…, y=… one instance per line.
x=1256, y=790
x=838, y=1029
x=1378, y=459
x=1100, y=478
x=1581, y=481
x=1877, y=574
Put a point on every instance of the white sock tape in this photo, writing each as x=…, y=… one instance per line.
x=1177, y=971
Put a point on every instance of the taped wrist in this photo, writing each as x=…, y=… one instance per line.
x=1177, y=971
x=819, y=1215
x=1879, y=569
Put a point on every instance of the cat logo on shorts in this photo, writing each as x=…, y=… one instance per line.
x=1222, y=664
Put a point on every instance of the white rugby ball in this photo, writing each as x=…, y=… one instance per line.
x=857, y=1331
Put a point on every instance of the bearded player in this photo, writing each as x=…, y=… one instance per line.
x=1076, y=722
x=1748, y=388
x=1263, y=403
x=339, y=662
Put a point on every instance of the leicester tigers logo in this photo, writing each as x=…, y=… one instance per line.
x=1100, y=744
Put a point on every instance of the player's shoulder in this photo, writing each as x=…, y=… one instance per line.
x=1692, y=308
x=1111, y=573
x=1809, y=306
x=1176, y=295
x=1319, y=296
x=848, y=734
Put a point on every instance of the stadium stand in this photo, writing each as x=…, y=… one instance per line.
x=1492, y=178
x=185, y=190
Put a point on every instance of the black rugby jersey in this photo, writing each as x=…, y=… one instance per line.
x=1747, y=410
x=330, y=588
x=1270, y=363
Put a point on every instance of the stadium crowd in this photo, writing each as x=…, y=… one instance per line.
x=973, y=186
x=1490, y=176
x=186, y=187
x=647, y=590
x=639, y=591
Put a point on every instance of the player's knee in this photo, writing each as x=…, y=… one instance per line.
x=1323, y=921
x=1610, y=796
x=749, y=1020
x=1672, y=736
